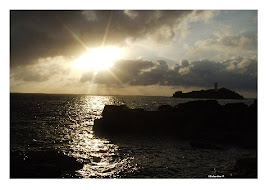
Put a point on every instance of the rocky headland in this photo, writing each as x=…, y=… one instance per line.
x=222, y=93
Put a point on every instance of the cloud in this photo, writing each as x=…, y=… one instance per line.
x=243, y=41
x=223, y=47
x=41, y=34
x=43, y=70
x=234, y=73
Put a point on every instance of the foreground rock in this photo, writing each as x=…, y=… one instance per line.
x=47, y=164
x=197, y=120
x=241, y=168
x=246, y=167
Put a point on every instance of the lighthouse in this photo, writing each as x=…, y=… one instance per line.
x=216, y=86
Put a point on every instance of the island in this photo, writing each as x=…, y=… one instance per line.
x=222, y=93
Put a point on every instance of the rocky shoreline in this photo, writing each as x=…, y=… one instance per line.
x=42, y=164
x=204, y=124
x=241, y=168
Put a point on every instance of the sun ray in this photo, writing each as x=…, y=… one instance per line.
x=92, y=82
x=74, y=35
x=107, y=29
x=117, y=79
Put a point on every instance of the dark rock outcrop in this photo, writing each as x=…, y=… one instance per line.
x=48, y=164
x=222, y=93
x=241, y=168
x=196, y=120
x=165, y=108
x=245, y=168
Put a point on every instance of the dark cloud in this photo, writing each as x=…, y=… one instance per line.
x=44, y=70
x=126, y=71
x=31, y=77
x=36, y=34
x=235, y=73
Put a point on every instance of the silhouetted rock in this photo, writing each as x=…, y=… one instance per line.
x=222, y=93
x=235, y=107
x=199, y=105
x=47, y=164
x=112, y=108
x=196, y=120
x=138, y=109
x=241, y=168
x=165, y=108
x=245, y=168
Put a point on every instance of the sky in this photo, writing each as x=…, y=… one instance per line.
x=128, y=52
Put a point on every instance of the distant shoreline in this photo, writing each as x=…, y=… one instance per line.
x=222, y=93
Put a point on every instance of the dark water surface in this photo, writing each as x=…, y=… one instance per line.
x=42, y=122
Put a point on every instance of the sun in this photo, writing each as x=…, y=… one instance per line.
x=98, y=59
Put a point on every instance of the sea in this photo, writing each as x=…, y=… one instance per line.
x=64, y=123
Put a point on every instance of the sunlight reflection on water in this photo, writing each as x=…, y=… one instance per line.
x=41, y=122
x=100, y=157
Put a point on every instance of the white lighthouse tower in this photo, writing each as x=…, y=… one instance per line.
x=216, y=86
